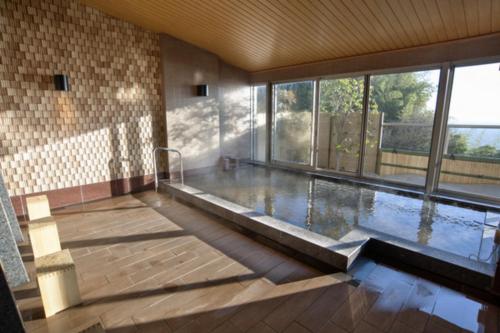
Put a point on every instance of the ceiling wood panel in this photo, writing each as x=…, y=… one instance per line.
x=495, y=15
x=471, y=12
x=437, y=25
x=258, y=35
x=484, y=14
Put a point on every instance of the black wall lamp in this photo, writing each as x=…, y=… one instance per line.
x=61, y=82
x=202, y=90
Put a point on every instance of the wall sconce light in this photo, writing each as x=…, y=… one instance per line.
x=61, y=82
x=202, y=90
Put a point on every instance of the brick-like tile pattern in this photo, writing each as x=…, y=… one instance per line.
x=104, y=128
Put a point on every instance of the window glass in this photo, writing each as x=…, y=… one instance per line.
x=339, y=123
x=293, y=105
x=259, y=107
x=399, y=128
x=471, y=159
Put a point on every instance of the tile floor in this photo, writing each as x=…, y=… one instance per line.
x=147, y=263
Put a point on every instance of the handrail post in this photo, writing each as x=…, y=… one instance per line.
x=155, y=167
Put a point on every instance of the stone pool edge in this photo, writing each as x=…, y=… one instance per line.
x=338, y=254
x=438, y=262
x=342, y=253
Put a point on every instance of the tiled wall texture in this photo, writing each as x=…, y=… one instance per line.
x=105, y=127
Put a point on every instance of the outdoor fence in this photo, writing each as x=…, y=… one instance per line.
x=456, y=168
x=391, y=149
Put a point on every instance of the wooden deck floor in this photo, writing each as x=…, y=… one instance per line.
x=147, y=263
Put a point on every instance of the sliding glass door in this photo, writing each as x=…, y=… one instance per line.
x=399, y=126
x=471, y=154
x=340, y=123
x=293, y=105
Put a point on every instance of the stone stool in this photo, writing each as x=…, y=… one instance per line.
x=44, y=237
x=57, y=281
x=38, y=207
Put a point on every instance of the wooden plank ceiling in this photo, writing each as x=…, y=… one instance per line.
x=262, y=34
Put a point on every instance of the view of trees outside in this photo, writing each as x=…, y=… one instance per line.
x=408, y=102
x=341, y=111
x=404, y=98
x=471, y=160
x=463, y=142
x=475, y=102
x=399, y=128
x=292, y=130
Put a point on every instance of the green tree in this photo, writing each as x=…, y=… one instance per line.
x=342, y=96
x=293, y=117
x=457, y=144
x=484, y=151
x=296, y=96
x=401, y=96
x=343, y=100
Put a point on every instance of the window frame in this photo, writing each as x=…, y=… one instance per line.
x=441, y=114
x=365, y=124
x=435, y=189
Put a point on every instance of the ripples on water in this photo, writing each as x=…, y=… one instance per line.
x=333, y=209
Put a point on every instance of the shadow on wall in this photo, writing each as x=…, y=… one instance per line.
x=204, y=128
x=132, y=144
x=194, y=129
x=207, y=129
x=75, y=145
x=235, y=121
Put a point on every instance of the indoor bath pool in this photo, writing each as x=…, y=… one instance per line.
x=336, y=208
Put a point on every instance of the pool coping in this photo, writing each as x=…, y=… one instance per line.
x=452, y=266
x=341, y=253
x=335, y=253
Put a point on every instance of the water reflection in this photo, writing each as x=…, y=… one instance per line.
x=334, y=209
x=426, y=217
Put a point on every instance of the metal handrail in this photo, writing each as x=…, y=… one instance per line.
x=154, y=162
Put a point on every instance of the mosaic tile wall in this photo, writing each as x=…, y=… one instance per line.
x=105, y=127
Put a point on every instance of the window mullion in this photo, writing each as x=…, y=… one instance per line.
x=439, y=128
x=364, y=125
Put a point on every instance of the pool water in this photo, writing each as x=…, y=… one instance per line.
x=334, y=209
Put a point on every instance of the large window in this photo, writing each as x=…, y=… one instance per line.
x=399, y=127
x=293, y=105
x=339, y=123
x=471, y=159
x=392, y=141
x=259, y=132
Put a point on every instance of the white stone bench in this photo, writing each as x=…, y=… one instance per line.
x=44, y=237
x=38, y=207
x=57, y=280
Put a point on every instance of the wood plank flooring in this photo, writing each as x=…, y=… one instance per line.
x=147, y=263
